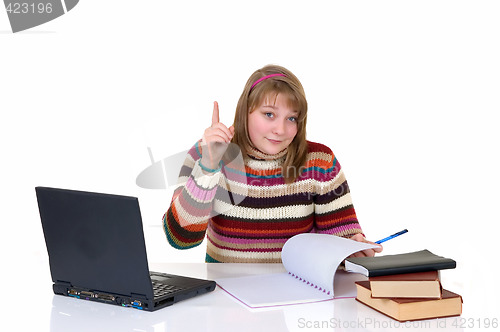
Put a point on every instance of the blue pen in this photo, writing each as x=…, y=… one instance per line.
x=392, y=236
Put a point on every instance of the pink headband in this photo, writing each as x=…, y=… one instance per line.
x=265, y=78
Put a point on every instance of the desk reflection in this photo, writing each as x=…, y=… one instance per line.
x=213, y=312
x=218, y=311
x=69, y=314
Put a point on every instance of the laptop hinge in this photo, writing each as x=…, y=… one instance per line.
x=63, y=283
x=61, y=287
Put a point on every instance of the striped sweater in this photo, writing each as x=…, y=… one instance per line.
x=248, y=217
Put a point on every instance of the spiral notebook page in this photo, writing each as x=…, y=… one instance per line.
x=311, y=261
x=272, y=290
x=316, y=257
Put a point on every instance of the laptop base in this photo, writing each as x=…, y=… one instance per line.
x=137, y=301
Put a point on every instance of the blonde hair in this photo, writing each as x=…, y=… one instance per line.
x=252, y=97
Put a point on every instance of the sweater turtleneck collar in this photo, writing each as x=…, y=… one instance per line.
x=254, y=153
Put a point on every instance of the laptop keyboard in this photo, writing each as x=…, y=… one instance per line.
x=161, y=289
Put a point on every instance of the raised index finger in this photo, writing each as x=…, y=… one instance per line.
x=215, y=114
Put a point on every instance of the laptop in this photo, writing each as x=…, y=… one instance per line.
x=97, y=252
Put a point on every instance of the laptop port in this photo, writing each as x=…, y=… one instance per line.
x=87, y=294
x=104, y=297
x=73, y=293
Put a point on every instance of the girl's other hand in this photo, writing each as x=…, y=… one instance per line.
x=367, y=252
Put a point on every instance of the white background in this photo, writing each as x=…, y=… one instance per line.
x=405, y=93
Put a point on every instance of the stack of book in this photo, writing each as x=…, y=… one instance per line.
x=406, y=286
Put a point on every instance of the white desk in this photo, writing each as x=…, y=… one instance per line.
x=217, y=311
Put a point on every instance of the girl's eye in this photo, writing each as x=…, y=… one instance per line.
x=293, y=119
x=269, y=114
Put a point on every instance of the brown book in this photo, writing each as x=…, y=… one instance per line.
x=450, y=304
x=408, y=285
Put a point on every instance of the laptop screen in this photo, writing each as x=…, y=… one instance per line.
x=95, y=241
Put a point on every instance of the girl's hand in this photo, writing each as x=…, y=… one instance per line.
x=216, y=139
x=367, y=252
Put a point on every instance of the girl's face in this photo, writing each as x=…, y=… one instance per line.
x=273, y=125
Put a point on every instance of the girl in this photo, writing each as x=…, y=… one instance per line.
x=284, y=185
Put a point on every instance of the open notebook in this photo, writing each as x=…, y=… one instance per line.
x=311, y=261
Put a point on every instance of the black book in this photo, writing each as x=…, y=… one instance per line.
x=418, y=261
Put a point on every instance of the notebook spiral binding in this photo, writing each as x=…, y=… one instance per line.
x=308, y=283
